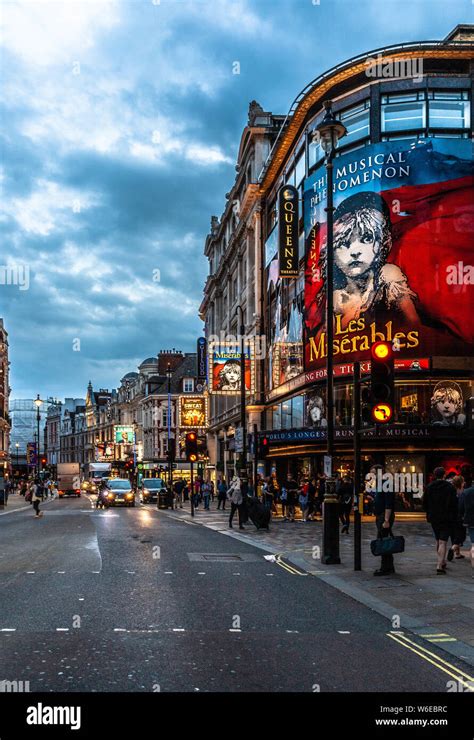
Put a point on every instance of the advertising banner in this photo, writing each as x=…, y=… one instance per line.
x=403, y=235
x=193, y=412
x=31, y=455
x=225, y=370
x=123, y=435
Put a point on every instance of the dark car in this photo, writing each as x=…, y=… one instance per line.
x=150, y=490
x=119, y=492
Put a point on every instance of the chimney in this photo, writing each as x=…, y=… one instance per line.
x=172, y=357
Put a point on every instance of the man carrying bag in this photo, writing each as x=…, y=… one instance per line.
x=384, y=508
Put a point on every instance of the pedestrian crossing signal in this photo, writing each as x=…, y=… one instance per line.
x=191, y=447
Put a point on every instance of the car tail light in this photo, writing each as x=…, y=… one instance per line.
x=78, y=490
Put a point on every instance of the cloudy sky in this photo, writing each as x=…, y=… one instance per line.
x=120, y=127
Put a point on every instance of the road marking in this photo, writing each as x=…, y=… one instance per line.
x=62, y=629
x=292, y=632
x=439, y=637
x=236, y=574
x=201, y=573
x=61, y=571
x=438, y=662
x=168, y=572
x=130, y=571
x=290, y=568
x=269, y=574
x=96, y=571
x=119, y=629
x=30, y=572
x=234, y=630
x=178, y=629
x=81, y=598
x=344, y=632
x=8, y=629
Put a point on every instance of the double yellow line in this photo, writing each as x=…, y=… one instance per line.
x=443, y=665
x=290, y=568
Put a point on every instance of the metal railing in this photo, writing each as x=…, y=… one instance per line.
x=412, y=45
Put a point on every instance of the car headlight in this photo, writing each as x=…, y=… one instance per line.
x=129, y=495
x=110, y=495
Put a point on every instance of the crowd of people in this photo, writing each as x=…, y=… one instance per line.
x=448, y=502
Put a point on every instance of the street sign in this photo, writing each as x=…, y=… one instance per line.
x=327, y=466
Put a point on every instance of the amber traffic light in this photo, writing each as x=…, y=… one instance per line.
x=191, y=447
x=382, y=385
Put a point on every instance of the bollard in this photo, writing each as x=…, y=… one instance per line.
x=330, y=525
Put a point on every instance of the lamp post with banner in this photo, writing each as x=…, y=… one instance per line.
x=329, y=131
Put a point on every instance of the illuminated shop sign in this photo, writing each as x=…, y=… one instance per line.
x=288, y=231
x=402, y=224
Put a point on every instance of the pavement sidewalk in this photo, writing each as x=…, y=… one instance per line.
x=17, y=503
x=438, y=608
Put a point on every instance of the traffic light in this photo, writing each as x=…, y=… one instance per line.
x=43, y=463
x=262, y=448
x=382, y=385
x=191, y=447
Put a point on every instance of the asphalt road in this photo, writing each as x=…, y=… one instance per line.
x=123, y=600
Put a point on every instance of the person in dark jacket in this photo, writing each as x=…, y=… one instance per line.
x=466, y=511
x=291, y=496
x=384, y=510
x=441, y=506
x=221, y=493
x=345, y=495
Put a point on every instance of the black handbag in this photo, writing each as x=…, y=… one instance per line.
x=387, y=545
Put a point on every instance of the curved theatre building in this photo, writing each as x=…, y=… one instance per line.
x=403, y=260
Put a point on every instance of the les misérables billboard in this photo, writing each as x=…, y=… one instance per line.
x=403, y=235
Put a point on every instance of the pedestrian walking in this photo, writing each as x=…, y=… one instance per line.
x=234, y=495
x=441, y=506
x=303, y=499
x=35, y=497
x=206, y=494
x=178, y=491
x=346, y=500
x=312, y=491
x=466, y=511
x=384, y=509
x=459, y=533
x=283, y=497
x=221, y=493
x=268, y=493
x=197, y=492
x=291, y=497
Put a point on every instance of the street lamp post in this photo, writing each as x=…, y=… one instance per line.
x=38, y=403
x=243, y=415
x=330, y=130
x=17, y=445
x=168, y=375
